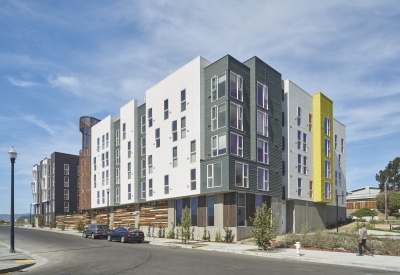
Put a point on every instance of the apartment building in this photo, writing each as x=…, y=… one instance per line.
x=313, y=160
x=55, y=186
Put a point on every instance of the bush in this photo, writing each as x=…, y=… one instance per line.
x=186, y=222
x=263, y=227
x=364, y=212
x=305, y=228
x=171, y=233
x=228, y=238
x=80, y=225
x=41, y=221
x=51, y=222
x=218, y=238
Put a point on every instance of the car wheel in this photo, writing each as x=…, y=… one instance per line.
x=93, y=237
x=109, y=238
x=84, y=235
x=139, y=241
x=122, y=239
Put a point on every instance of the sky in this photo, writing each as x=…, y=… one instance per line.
x=60, y=60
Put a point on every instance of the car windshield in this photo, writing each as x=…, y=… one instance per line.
x=102, y=226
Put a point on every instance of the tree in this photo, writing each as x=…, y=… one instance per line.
x=41, y=221
x=80, y=225
x=263, y=227
x=393, y=202
x=391, y=174
x=186, y=223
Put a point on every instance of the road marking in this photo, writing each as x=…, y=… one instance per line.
x=24, y=261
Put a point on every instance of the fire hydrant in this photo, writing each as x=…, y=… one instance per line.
x=297, y=245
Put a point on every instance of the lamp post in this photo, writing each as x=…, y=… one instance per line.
x=13, y=156
x=30, y=214
x=337, y=211
x=108, y=209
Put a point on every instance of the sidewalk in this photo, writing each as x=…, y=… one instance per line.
x=10, y=262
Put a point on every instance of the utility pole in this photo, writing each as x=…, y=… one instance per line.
x=386, y=205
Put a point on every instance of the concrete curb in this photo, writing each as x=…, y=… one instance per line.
x=16, y=268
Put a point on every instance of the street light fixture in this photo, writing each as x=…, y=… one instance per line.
x=12, y=154
x=108, y=209
x=30, y=214
x=337, y=211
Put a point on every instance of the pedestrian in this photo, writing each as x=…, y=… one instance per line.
x=362, y=241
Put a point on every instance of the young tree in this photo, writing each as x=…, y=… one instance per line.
x=186, y=223
x=41, y=221
x=263, y=227
x=80, y=225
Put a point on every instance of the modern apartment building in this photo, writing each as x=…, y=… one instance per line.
x=55, y=186
x=220, y=138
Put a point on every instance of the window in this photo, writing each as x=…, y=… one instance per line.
x=193, y=210
x=117, y=157
x=342, y=197
x=66, y=206
x=107, y=177
x=218, y=145
x=340, y=179
x=299, y=164
x=262, y=179
x=129, y=191
x=283, y=143
x=258, y=201
x=175, y=156
x=150, y=187
x=166, y=184
x=107, y=158
x=298, y=115
x=327, y=126
x=218, y=86
x=166, y=109
x=299, y=140
x=299, y=183
x=327, y=169
x=66, y=194
x=94, y=181
x=242, y=175
x=340, y=160
x=214, y=175
x=129, y=170
x=304, y=165
x=157, y=134
x=262, y=151
x=150, y=116
x=66, y=169
x=327, y=147
x=98, y=197
x=117, y=138
x=124, y=131
x=150, y=163
x=262, y=96
x=336, y=177
x=178, y=211
x=98, y=144
x=283, y=119
x=335, y=142
x=342, y=145
x=241, y=209
x=183, y=100
x=218, y=116
x=236, y=145
x=236, y=86
x=193, y=179
x=102, y=142
x=236, y=116
x=262, y=123
x=143, y=168
x=102, y=160
x=210, y=211
x=143, y=190
x=102, y=178
x=143, y=144
x=174, y=130
x=107, y=140
x=143, y=123
x=117, y=176
x=311, y=194
x=66, y=181
x=304, y=142
x=327, y=190
x=310, y=122
x=192, y=151
x=283, y=168
x=183, y=127
x=129, y=150
x=117, y=195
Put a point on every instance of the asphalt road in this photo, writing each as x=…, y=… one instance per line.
x=68, y=254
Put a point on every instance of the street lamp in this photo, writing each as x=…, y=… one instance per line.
x=337, y=211
x=12, y=154
x=108, y=209
x=30, y=214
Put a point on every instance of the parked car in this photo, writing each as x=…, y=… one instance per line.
x=95, y=231
x=126, y=235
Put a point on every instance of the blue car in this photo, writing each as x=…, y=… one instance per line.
x=123, y=235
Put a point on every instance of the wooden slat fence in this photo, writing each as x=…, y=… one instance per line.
x=361, y=204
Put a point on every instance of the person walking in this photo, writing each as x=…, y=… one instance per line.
x=362, y=241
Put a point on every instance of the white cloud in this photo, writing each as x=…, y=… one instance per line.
x=40, y=123
x=68, y=83
x=21, y=83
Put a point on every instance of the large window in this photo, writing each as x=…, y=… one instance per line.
x=335, y=142
x=66, y=206
x=327, y=190
x=192, y=151
x=150, y=116
x=117, y=176
x=175, y=157
x=304, y=142
x=311, y=193
x=150, y=187
x=98, y=197
x=327, y=147
x=143, y=162
x=327, y=126
x=66, y=169
x=150, y=163
x=262, y=151
x=193, y=179
x=129, y=170
x=166, y=111
x=166, y=184
x=129, y=150
x=262, y=123
x=236, y=145
x=143, y=144
x=102, y=178
x=94, y=181
x=241, y=209
x=218, y=86
x=218, y=116
x=299, y=164
x=262, y=179
x=107, y=159
x=342, y=146
x=129, y=191
x=218, y=145
x=193, y=210
x=299, y=187
x=66, y=181
x=310, y=122
x=304, y=165
x=336, y=178
x=143, y=190
x=107, y=140
x=124, y=131
x=102, y=142
x=157, y=136
x=210, y=211
x=262, y=95
x=236, y=116
x=66, y=194
x=298, y=115
x=117, y=195
x=327, y=169
x=183, y=127
x=117, y=157
x=98, y=144
x=241, y=175
x=174, y=130
x=258, y=201
x=143, y=124
x=117, y=138
x=236, y=86
x=178, y=211
x=107, y=177
x=299, y=140
x=214, y=175
x=183, y=100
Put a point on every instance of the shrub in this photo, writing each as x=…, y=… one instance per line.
x=228, y=238
x=305, y=228
x=363, y=212
x=263, y=227
x=41, y=221
x=51, y=222
x=206, y=237
x=160, y=229
x=186, y=222
x=218, y=238
x=33, y=223
x=171, y=233
x=80, y=225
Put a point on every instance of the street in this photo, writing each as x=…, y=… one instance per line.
x=68, y=254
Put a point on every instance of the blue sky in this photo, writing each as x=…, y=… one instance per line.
x=60, y=60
